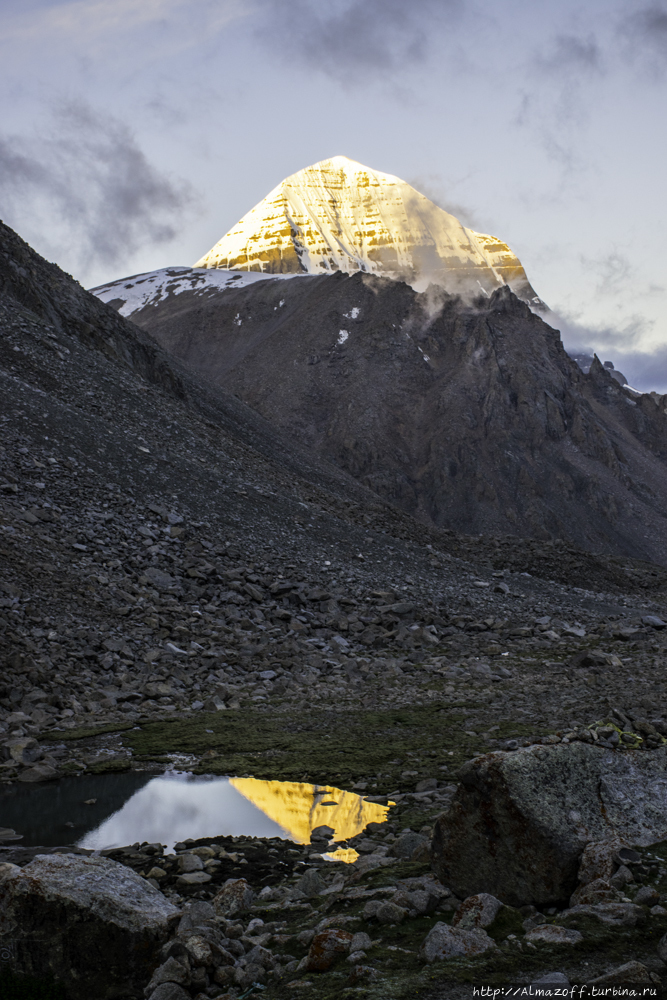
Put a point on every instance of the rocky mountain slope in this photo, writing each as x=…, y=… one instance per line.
x=470, y=417
x=338, y=215
x=179, y=576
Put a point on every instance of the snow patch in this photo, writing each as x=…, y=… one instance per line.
x=342, y=336
x=141, y=290
x=353, y=313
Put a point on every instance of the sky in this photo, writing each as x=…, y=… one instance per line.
x=135, y=133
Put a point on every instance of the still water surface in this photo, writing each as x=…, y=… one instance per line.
x=177, y=806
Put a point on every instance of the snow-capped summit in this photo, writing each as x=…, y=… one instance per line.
x=338, y=215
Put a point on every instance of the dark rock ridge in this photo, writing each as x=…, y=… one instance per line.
x=470, y=417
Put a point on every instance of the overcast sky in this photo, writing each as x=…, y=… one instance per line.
x=135, y=133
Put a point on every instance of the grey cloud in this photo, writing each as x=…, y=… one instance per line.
x=90, y=173
x=358, y=37
x=614, y=271
x=644, y=369
x=569, y=54
x=644, y=33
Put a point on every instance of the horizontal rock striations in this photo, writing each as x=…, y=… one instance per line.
x=338, y=215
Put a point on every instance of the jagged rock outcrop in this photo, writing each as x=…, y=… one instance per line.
x=469, y=416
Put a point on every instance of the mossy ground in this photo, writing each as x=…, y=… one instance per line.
x=321, y=746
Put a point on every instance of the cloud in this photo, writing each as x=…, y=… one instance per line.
x=91, y=175
x=98, y=19
x=644, y=33
x=431, y=185
x=645, y=370
x=350, y=40
x=570, y=54
x=616, y=275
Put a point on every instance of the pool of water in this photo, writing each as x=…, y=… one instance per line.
x=113, y=810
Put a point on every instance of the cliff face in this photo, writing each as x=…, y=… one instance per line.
x=471, y=417
x=338, y=215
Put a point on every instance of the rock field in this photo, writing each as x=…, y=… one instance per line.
x=179, y=578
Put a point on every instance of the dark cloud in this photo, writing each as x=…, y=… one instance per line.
x=644, y=33
x=90, y=174
x=354, y=39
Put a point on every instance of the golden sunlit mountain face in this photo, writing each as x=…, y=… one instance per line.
x=300, y=808
x=338, y=215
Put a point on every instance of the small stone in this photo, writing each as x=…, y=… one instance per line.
x=427, y=785
x=551, y=934
x=170, y=971
x=647, y=896
x=597, y=891
x=360, y=942
x=325, y=948
x=654, y=622
x=235, y=897
x=190, y=863
x=477, y=911
x=662, y=948
x=169, y=991
x=611, y=914
x=597, y=861
x=631, y=972
x=407, y=844
x=443, y=941
x=158, y=578
x=310, y=884
x=193, y=878
x=552, y=979
x=389, y=913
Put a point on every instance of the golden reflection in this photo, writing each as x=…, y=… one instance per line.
x=299, y=808
x=346, y=854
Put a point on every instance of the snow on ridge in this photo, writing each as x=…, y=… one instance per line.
x=140, y=290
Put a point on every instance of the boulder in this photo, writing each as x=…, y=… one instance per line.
x=89, y=922
x=519, y=821
x=235, y=897
x=443, y=941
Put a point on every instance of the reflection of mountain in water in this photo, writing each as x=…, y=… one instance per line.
x=41, y=812
x=300, y=808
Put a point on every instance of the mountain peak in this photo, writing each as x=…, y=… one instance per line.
x=339, y=215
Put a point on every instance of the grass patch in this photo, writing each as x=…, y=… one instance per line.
x=323, y=747
x=85, y=732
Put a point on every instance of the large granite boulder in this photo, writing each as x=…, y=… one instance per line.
x=90, y=922
x=519, y=822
